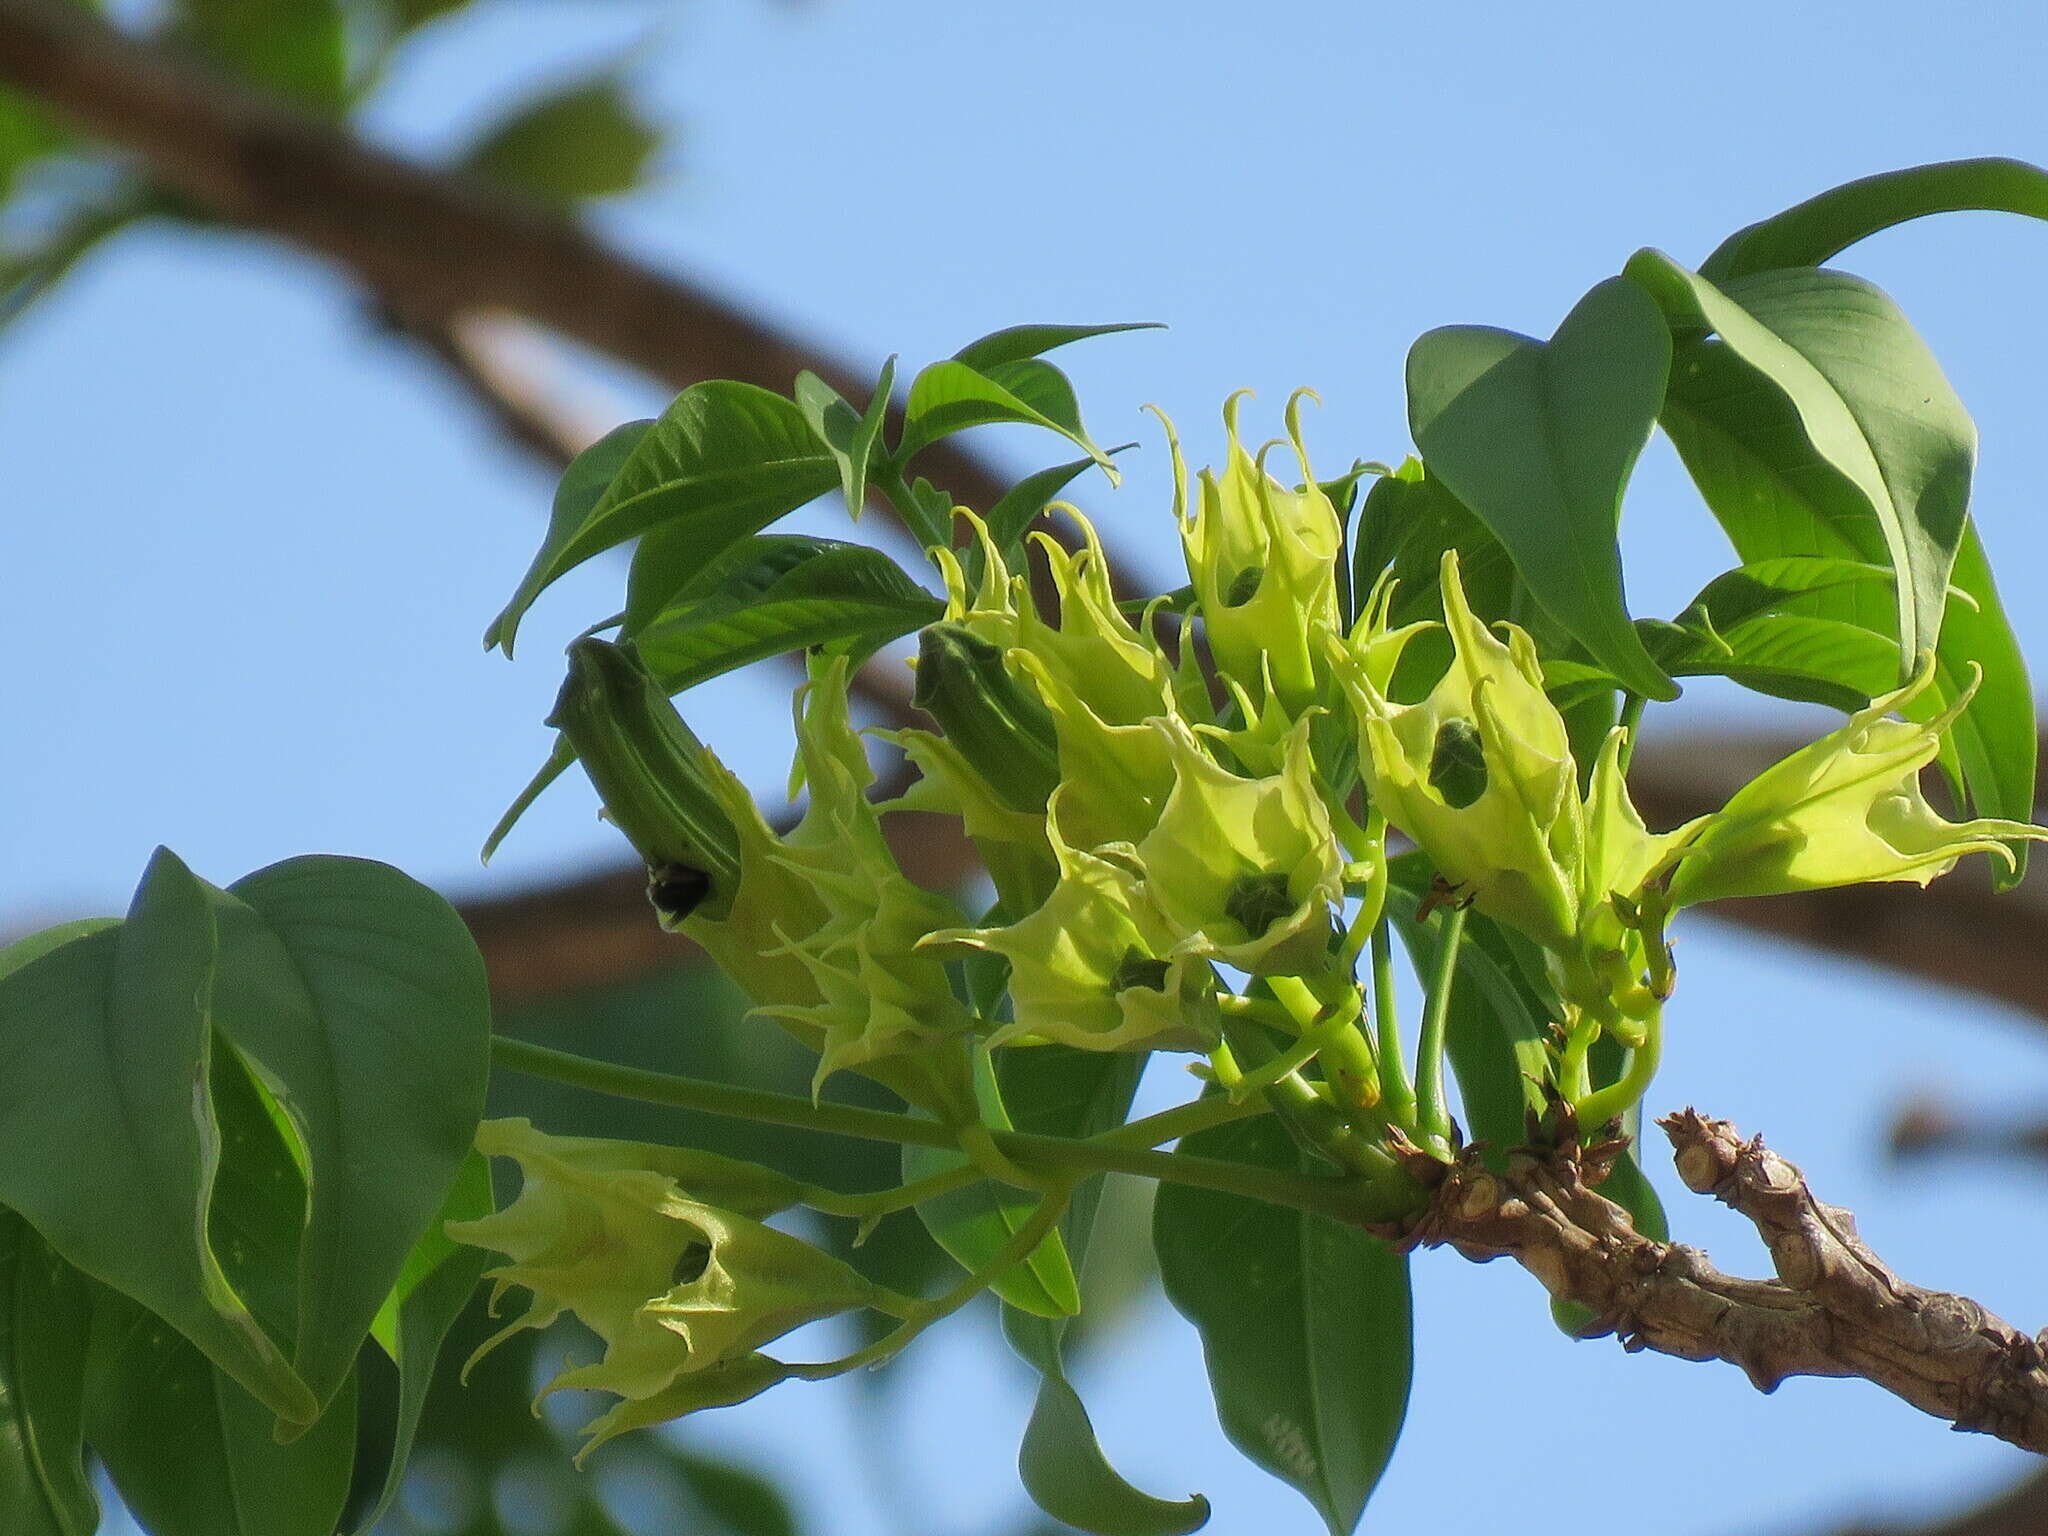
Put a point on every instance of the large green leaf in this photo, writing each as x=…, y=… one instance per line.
x=1809, y=233
x=1305, y=1325
x=723, y=461
x=1539, y=440
x=574, y=142
x=951, y=396
x=104, y=1146
x=45, y=1321
x=1060, y=1091
x=1995, y=739
x=780, y=593
x=190, y=1452
x=360, y=998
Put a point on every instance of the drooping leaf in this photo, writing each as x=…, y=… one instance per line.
x=723, y=461
x=1539, y=439
x=781, y=593
x=1305, y=1325
x=572, y=143
x=439, y=1279
x=1012, y=516
x=950, y=397
x=45, y=1321
x=1995, y=739
x=1017, y=342
x=104, y=1145
x=1057, y=1090
x=850, y=435
x=1810, y=233
x=190, y=1452
x=360, y=999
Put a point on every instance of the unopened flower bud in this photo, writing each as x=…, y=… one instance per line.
x=994, y=722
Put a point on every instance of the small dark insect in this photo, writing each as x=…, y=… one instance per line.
x=676, y=889
x=1442, y=893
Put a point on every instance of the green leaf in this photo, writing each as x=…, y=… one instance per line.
x=850, y=435
x=297, y=48
x=27, y=134
x=950, y=397
x=1810, y=233
x=45, y=1321
x=974, y=1223
x=35, y=945
x=1818, y=424
x=723, y=461
x=1057, y=1090
x=773, y=594
x=561, y=758
x=1305, y=1325
x=190, y=1452
x=439, y=1278
x=742, y=1501
x=573, y=143
x=1539, y=439
x=359, y=997
x=1021, y=341
x=102, y=1146
x=1995, y=738
x=583, y=485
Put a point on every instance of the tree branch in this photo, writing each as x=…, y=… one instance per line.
x=431, y=243
x=1835, y=1309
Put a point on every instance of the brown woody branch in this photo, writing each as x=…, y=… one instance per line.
x=1835, y=1308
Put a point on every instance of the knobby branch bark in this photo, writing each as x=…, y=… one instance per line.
x=1835, y=1308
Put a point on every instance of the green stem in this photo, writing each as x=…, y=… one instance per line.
x=1397, y=1098
x=1596, y=1109
x=1432, y=1114
x=870, y=1208
x=1631, y=718
x=889, y=480
x=1336, y=1197
x=1181, y=1121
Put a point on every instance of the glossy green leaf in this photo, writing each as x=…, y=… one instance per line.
x=45, y=1321
x=360, y=999
x=1305, y=1325
x=974, y=1223
x=950, y=397
x=1810, y=233
x=573, y=143
x=779, y=595
x=1818, y=424
x=850, y=435
x=439, y=1278
x=297, y=48
x=1057, y=1090
x=190, y=1452
x=102, y=1146
x=1539, y=439
x=1995, y=739
x=35, y=945
x=723, y=461
x=1017, y=342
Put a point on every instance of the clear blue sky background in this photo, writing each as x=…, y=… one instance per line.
x=251, y=546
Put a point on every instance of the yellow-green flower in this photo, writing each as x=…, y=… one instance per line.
x=1245, y=870
x=1844, y=811
x=1263, y=562
x=1480, y=773
x=1096, y=966
x=672, y=1285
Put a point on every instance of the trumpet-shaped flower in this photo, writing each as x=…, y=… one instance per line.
x=611, y=1232
x=1263, y=563
x=1246, y=870
x=1096, y=966
x=1480, y=773
x=1845, y=810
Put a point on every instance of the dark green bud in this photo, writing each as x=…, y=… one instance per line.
x=1457, y=765
x=654, y=777
x=1257, y=902
x=1005, y=734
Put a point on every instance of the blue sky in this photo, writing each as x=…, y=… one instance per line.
x=253, y=544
